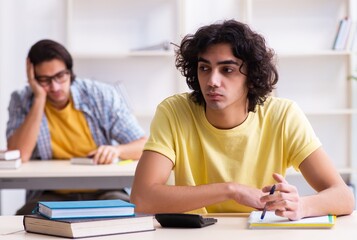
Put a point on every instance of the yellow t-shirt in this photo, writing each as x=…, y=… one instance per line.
x=275, y=137
x=70, y=135
x=69, y=131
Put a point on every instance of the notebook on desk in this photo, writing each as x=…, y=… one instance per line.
x=88, y=161
x=273, y=221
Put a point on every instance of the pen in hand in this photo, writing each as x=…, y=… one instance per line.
x=272, y=190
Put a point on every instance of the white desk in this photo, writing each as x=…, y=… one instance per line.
x=233, y=227
x=60, y=174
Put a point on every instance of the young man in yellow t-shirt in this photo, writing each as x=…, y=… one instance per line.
x=60, y=116
x=228, y=141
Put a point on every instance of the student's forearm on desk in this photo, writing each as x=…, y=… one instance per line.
x=333, y=194
x=151, y=194
x=336, y=200
x=163, y=198
x=25, y=137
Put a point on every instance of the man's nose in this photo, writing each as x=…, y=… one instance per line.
x=54, y=84
x=215, y=79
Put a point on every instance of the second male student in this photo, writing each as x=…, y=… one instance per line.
x=59, y=116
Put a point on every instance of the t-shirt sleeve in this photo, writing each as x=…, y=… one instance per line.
x=161, y=138
x=299, y=136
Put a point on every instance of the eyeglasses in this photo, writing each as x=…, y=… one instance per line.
x=59, y=77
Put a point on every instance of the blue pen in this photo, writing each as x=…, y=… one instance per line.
x=272, y=190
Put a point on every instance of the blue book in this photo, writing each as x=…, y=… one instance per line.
x=85, y=209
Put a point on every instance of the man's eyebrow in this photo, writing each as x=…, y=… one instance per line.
x=201, y=59
x=229, y=62
x=44, y=76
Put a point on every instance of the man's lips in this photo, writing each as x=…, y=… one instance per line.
x=56, y=94
x=214, y=95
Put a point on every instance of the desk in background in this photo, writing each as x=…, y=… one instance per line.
x=232, y=227
x=60, y=174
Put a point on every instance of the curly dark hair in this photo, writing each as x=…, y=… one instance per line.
x=47, y=50
x=248, y=46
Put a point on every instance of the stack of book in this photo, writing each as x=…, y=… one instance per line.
x=78, y=219
x=10, y=159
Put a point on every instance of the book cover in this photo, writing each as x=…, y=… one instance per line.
x=273, y=221
x=88, y=227
x=339, y=29
x=10, y=164
x=9, y=154
x=85, y=209
x=342, y=35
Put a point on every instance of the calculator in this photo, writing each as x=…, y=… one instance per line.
x=183, y=220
